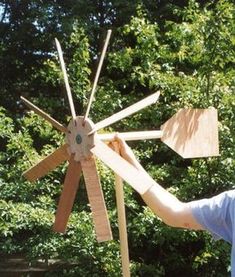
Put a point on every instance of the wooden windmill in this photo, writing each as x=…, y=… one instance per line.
x=190, y=132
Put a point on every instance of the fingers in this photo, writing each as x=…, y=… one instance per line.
x=122, y=144
x=119, y=142
x=115, y=144
x=110, y=144
x=119, y=145
x=125, y=150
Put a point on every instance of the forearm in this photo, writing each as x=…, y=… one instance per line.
x=166, y=206
x=163, y=204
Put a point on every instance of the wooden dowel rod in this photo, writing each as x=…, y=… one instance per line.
x=132, y=135
x=122, y=222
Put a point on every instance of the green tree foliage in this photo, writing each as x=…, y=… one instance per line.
x=186, y=53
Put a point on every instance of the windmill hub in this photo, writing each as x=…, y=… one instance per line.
x=78, y=139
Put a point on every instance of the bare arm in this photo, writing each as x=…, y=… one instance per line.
x=164, y=204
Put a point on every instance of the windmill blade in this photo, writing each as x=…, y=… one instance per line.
x=68, y=194
x=192, y=133
x=66, y=81
x=97, y=74
x=138, y=179
x=96, y=199
x=44, y=115
x=47, y=164
x=140, y=135
x=126, y=112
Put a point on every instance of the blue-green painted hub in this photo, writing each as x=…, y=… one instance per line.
x=78, y=139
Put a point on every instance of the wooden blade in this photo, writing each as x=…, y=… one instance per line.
x=97, y=74
x=68, y=194
x=66, y=81
x=47, y=164
x=132, y=135
x=126, y=112
x=192, y=133
x=138, y=179
x=44, y=115
x=96, y=199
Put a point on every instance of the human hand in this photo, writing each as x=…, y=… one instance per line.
x=124, y=151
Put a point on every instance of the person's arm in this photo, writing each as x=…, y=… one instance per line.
x=164, y=204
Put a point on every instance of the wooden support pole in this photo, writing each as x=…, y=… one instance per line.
x=122, y=222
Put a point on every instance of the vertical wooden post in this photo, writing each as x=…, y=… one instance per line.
x=122, y=222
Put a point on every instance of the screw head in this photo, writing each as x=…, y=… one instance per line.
x=78, y=139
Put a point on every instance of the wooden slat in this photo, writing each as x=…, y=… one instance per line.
x=66, y=80
x=96, y=200
x=47, y=164
x=140, y=135
x=192, y=133
x=138, y=179
x=68, y=194
x=126, y=112
x=44, y=115
x=97, y=74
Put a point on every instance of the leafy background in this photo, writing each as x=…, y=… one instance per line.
x=185, y=49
